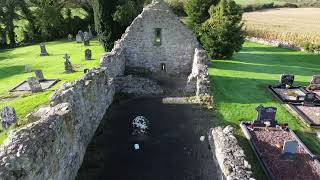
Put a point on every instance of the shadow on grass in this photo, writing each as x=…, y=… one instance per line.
x=6, y=72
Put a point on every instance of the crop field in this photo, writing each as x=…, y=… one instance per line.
x=297, y=26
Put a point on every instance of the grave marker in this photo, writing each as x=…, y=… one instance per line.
x=43, y=50
x=70, y=37
x=67, y=64
x=315, y=83
x=90, y=32
x=27, y=68
x=266, y=114
x=88, y=54
x=8, y=117
x=34, y=85
x=39, y=75
x=86, y=39
x=286, y=80
x=78, y=38
x=289, y=150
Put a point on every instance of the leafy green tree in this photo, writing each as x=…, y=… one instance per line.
x=126, y=13
x=222, y=35
x=197, y=11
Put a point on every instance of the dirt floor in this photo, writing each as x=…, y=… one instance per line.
x=172, y=151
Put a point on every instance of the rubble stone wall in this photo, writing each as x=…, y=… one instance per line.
x=230, y=155
x=54, y=146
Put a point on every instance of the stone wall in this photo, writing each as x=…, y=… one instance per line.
x=177, y=41
x=230, y=155
x=275, y=43
x=53, y=147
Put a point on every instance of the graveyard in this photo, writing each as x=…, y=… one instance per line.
x=158, y=104
x=241, y=84
x=13, y=74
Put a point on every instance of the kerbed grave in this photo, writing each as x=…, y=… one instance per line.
x=281, y=153
x=301, y=102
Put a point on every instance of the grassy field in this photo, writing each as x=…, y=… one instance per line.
x=12, y=63
x=297, y=26
x=239, y=86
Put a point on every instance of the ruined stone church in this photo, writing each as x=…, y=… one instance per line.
x=54, y=144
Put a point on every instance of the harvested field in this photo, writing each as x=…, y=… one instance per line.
x=294, y=25
x=268, y=143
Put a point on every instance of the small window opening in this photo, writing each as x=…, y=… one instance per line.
x=157, y=40
x=163, y=67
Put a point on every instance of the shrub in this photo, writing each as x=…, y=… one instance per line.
x=177, y=7
x=222, y=34
x=313, y=48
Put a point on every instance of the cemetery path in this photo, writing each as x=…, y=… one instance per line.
x=173, y=151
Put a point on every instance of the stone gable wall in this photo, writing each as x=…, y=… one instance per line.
x=177, y=41
x=53, y=147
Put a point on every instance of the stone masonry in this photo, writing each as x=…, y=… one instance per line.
x=229, y=154
x=53, y=145
x=173, y=56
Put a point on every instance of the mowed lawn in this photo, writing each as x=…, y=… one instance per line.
x=240, y=85
x=12, y=73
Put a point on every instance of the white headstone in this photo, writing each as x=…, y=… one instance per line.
x=202, y=138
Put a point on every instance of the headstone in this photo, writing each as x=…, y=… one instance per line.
x=140, y=126
x=289, y=150
x=34, y=84
x=315, y=79
x=78, y=38
x=88, y=54
x=80, y=32
x=39, y=75
x=136, y=146
x=315, y=83
x=310, y=99
x=266, y=114
x=286, y=80
x=70, y=37
x=86, y=39
x=8, y=117
x=27, y=68
x=202, y=138
x=90, y=32
x=43, y=50
x=67, y=64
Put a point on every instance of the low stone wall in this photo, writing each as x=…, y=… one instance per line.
x=229, y=154
x=53, y=147
x=137, y=86
x=275, y=43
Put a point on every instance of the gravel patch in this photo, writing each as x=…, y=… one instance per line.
x=269, y=144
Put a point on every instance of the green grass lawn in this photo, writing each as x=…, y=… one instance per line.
x=240, y=85
x=12, y=63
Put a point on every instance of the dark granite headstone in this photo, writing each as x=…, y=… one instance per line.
x=310, y=99
x=43, y=50
x=39, y=75
x=8, y=117
x=34, y=84
x=67, y=64
x=289, y=150
x=141, y=126
x=88, y=54
x=286, y=80
x=266, y=114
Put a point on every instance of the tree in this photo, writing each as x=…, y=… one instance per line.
x=103, y=11
x=222, y=35
x=197, y=11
